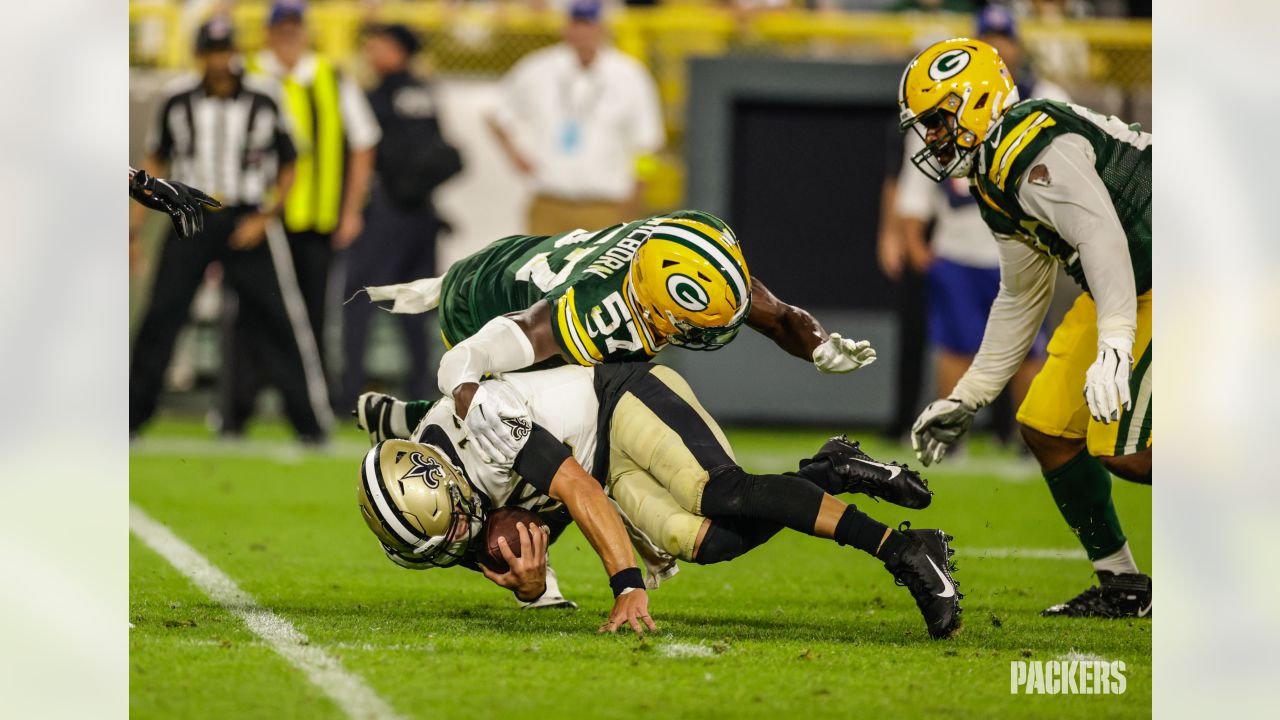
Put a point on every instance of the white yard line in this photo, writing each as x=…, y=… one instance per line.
x=348, y=691
x=685, y=650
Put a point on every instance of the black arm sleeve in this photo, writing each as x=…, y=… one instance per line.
x=540, y=458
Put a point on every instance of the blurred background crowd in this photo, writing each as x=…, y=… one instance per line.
x=358, y=142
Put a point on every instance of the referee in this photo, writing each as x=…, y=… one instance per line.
x=218, y=133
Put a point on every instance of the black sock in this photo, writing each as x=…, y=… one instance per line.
x=864, y=532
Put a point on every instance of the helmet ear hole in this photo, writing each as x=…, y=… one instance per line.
x=704, y=278
x=668, y=263
x=982, y=101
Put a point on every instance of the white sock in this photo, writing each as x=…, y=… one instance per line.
x=1119, y=562
x=553, y=587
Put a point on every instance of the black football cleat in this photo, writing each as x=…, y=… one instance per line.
x=863, y=474
x=924, y=566
x=1119, y=595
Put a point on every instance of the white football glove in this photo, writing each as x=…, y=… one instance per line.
x=840, y=355
x=939, y=427
x=498, y=421
x=382, y=416
x=1106, y=384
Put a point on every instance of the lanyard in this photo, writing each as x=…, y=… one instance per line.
x=579, y=111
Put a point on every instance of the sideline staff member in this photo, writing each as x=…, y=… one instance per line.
x=399, y=240
x=336, y=135
x=582, y=120
x=221, y=134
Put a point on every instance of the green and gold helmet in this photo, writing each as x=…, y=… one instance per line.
x=691, y=283
x=418, y=503
x=951, y=95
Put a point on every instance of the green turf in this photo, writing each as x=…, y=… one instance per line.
x=799, y=627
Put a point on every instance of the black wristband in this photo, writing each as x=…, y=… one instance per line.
x=623, y=579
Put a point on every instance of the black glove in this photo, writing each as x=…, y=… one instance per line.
x=184, y=203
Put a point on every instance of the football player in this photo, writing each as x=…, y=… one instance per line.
x=589, y=297
x=1054, y=182
x=644, y=437
x=426, y=502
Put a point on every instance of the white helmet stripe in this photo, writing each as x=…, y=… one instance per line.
x=730, y=267
x=381, y=504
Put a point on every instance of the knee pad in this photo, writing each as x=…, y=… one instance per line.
x=728, y=539
x=725, y=494
x=720, y=545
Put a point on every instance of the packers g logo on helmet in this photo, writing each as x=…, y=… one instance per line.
x=949, y=64
x=952, y=94
x=418, y=503
x=687, y=293
x=691, y=283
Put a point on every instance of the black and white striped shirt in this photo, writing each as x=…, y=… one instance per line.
x=230, y=147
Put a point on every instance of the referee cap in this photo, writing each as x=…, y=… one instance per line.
x=217, y=34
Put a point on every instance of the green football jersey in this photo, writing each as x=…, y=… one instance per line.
x=595, y=317
x=1123, y=161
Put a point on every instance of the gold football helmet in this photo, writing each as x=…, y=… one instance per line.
x=418, y=503
x=691, y=283
x=951, y=94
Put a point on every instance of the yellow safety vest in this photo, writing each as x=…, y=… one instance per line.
x=316, y=116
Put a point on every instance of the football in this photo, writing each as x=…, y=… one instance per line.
x=502, y=523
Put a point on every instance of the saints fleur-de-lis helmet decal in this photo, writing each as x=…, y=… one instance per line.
x=419, y=504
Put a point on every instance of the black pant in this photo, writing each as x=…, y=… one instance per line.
x=310, y=254
x=397, y=246
x=252, y=274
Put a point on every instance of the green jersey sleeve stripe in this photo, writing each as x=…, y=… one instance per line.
x=569, y=329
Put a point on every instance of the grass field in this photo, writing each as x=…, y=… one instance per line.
x=800, y=627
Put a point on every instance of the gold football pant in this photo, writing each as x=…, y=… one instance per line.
x=1055, y=404
x=662, y=445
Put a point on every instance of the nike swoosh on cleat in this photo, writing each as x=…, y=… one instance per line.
x=949, y=588
x=1145, y=611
